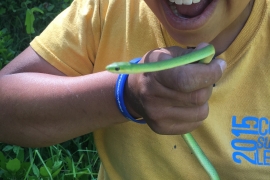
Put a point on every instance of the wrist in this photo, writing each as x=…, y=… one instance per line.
x=120, y=97
x=130, y=98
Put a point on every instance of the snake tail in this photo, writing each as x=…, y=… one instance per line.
x=202, y=158
x=203, y=55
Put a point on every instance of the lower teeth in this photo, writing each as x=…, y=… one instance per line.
x=174, y=10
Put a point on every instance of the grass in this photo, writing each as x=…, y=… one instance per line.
x=74, y=159
x=20, y=22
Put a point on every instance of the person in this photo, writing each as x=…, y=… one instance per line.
x=58, y=88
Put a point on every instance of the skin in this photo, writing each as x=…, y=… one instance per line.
x=233, y=15
x=40, y=106
x=207, y=53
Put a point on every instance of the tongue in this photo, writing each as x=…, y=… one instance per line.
x=192, y=10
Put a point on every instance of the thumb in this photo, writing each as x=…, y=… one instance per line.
x=222, y=64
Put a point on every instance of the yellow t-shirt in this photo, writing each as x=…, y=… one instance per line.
x=91, y=34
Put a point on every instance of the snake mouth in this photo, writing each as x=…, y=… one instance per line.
x=184, y=17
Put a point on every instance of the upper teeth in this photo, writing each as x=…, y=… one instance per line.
x=185, y=2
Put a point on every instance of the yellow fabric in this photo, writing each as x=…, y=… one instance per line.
x=92, y=33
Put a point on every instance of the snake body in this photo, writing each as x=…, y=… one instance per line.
x=203, y=55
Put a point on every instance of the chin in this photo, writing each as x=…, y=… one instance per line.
x=191, y=39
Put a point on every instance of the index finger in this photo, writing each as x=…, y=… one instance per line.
x=191, y=77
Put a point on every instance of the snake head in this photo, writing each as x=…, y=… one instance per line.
x=117, y=67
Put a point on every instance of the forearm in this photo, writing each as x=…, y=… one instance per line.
x=40, y=109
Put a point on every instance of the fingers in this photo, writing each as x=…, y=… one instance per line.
x=192, y=76
x=170, y=114
x=173, y=101
x=175, y=128
x=170, y=97
x=175, y=120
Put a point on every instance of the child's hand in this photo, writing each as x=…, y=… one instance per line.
x=173, y=101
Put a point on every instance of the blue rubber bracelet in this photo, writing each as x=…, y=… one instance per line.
x=119, y=95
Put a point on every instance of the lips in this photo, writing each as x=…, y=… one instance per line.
x=189, y=17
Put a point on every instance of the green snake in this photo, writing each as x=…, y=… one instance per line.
x=204, y=55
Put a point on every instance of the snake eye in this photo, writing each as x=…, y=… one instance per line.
x=117, y=69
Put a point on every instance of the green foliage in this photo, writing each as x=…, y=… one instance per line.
x=20, y=22
x=75, y=159
x=30, y=18
x=6, y=51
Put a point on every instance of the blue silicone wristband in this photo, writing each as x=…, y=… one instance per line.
x=119, y=95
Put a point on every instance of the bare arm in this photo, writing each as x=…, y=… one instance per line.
x=40, y=106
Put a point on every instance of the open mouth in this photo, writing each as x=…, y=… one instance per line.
x=188, y=8
x=188, y=14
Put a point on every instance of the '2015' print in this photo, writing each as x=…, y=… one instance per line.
x=251, y=143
